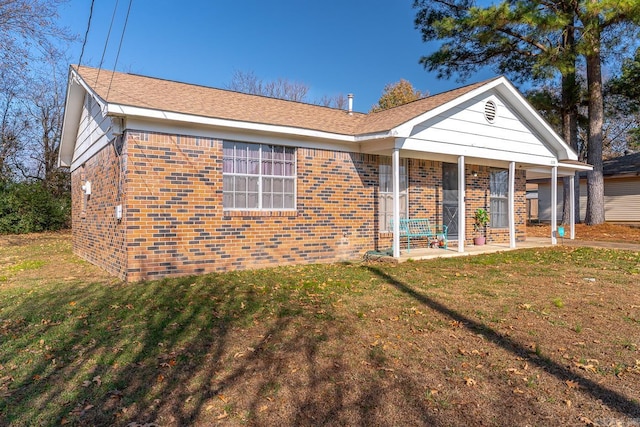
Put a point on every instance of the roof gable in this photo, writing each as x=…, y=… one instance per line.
x=518, y=107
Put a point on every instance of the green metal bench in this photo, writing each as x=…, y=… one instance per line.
x=422, y=228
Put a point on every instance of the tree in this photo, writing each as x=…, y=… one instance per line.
x=29, y=36
x=44, y=104
x=597, y=17
x=396, y=94
x=28, y=30
x=532, y=40
x=625, y=88
x=12, y=126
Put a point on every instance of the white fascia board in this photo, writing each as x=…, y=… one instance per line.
x=473, y=152
x=74, y=101
x=129, y=111
x=564, y=169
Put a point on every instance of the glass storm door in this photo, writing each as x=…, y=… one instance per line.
x=450, y=198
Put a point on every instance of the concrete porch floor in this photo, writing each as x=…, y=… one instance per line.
x=429, y=253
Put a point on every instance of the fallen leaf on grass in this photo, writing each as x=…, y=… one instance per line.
x=586, y=420
x=571, y=384
x=223, y=398
x=223, y=415
x=470, y=381
x=170, y=364
x=567, y=402
x=517, y=391
x=97, y=380
x=586, y=367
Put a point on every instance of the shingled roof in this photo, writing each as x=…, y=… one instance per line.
x=165, y=95
x=624, y=165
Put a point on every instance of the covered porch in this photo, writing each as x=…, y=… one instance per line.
x=483, y=142
x=455, y=206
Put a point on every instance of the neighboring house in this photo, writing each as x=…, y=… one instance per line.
x=621, y=191
x=173, y=179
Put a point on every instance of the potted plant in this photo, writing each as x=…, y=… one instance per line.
x=480, y=221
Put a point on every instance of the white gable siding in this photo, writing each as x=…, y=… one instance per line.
x=93, y=132
x=465, y=129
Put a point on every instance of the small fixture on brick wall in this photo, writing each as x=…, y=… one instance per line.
x=474, y=173
x=86, y=187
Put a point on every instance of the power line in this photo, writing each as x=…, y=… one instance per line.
x=86, y=34
x=124, y=28
x=106, y=42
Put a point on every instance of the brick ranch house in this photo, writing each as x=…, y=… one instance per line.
x=174, y=179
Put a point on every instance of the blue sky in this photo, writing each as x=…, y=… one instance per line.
x=334, y=46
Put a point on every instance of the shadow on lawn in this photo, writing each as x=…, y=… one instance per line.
x=175, y=354
x=213, y=348
x=612, y=399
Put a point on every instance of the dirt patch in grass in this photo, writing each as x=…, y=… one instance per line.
x=528, y=337
x=602, y=232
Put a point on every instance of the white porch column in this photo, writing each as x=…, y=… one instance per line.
x=395, y=171
x=554, y=204
x=512, y=210
x=572, y=220
x=462, y=215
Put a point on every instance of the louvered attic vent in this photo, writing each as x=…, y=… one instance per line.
x=490, y=111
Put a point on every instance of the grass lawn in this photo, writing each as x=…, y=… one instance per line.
x=529, y=337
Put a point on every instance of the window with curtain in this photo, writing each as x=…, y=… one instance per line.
x=385, y=193
x=499, y=209
x=258, y=176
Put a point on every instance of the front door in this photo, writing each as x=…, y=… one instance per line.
x=450, y=198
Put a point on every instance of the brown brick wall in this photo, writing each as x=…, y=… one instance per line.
x=97, y=236
x=175, y=223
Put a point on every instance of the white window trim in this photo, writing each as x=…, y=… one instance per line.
x=384, y=228
x=260, y=176
x=504, y=198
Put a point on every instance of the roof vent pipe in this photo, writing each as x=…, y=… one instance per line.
x=350, y=97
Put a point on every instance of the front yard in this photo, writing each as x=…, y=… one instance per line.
x=530, y=337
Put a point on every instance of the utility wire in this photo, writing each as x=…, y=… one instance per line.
x=106, y=42
x=86, y=34
x=124, y=28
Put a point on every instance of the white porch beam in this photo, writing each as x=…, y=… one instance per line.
x=461, y=208
x=554, y=205
x=572, y=220
x=395, y=170
x=512, y=210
